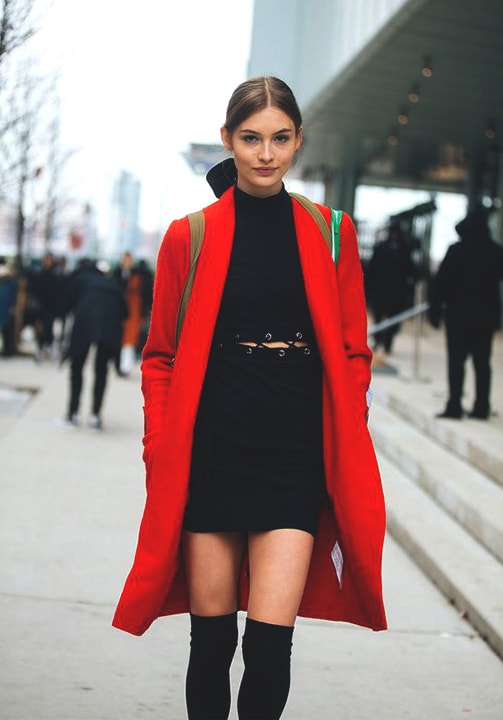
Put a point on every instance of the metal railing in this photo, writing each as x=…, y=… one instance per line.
x=415, y=312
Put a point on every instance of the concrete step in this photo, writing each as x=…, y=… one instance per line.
x=468, y=575
x=471, y=498
x=478, y=442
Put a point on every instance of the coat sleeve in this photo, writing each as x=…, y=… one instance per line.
x=159, y=353
x=354, y=312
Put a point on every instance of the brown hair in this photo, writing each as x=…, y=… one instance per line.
x=258, y=93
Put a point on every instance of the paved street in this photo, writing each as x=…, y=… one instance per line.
x=71, y=500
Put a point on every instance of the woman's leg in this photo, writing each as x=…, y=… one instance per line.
x=457, y=353
x=76, y=371
x=481, y=356
x=212, y=565
x=279, y=564
x=101, y=358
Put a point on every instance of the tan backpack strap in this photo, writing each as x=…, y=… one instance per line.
x=196, y=223
x=317, y=216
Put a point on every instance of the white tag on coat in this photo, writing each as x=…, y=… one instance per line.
x=338, y=562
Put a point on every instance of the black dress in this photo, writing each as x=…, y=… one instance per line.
x=257, y=457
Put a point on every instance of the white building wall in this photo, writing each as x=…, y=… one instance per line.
x=274, y=39
x=308, y=42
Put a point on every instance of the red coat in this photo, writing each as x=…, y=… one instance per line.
x=356, y=519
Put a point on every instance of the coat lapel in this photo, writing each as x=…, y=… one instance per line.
x=200, y=318
x=204, y=303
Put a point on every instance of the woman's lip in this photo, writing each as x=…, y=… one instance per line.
x=265, y=171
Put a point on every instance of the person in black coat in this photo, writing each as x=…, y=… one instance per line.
x=389, y=283
x=96, y=301
x=45, y=288
x=465, y=293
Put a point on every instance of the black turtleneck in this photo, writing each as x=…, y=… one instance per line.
x=264, y=291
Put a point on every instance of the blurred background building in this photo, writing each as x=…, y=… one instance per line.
x=201, y=157
x=124, y=216
x=401, y=101
x=395, y=93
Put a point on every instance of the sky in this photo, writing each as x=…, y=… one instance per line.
x=140, y=81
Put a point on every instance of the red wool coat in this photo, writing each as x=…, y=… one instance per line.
x=355, y=518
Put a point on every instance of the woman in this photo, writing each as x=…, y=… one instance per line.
x=263, y=491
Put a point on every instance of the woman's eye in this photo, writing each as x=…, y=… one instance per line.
x=282, y=138
x=249, y=138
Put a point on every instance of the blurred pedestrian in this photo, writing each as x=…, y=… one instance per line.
x=64, y=275
x=390, y=278
x=45, y=289
x=147, y=292
x=137, y=286
x=465, y=293
x=263, y=489
x=8, y=294
x=98, y=308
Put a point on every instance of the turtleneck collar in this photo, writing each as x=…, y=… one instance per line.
x=244, y=199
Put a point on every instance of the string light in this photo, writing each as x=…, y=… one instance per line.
x=403, y=117
x=427, y=69
x=413, y=95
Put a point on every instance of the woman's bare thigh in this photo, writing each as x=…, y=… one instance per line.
x=212, y=566
x=279, y=564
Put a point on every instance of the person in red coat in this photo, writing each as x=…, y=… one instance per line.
x=263, y=488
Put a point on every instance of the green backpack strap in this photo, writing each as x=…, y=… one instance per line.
x=331, y=234
x=335, y=228
x=196, y=222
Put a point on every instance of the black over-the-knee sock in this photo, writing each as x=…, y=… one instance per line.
x=212, y=646
x=266, y=680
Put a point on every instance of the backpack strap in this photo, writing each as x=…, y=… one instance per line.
x=331, y=234
x=317, y=216
x=335, y=228
x=196, y=222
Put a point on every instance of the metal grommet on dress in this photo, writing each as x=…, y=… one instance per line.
x=281, y=352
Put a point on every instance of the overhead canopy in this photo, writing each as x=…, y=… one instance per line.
x=450, y=137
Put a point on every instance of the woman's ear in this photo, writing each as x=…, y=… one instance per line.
x=226, y=138
x=299, y=137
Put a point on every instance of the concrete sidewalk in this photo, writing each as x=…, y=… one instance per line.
x=71, y=504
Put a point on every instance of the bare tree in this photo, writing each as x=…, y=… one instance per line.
x=52, y=160
x=17, y=150
x=15, y=31
x=15, y=28
x=30, y=156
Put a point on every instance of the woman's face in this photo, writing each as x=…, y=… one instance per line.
x=263, y=147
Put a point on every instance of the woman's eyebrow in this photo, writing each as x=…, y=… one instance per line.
x=276, y=132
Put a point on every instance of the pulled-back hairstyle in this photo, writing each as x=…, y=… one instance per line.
x=258, y=93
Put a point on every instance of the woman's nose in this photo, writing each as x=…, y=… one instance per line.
x=265, y=153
